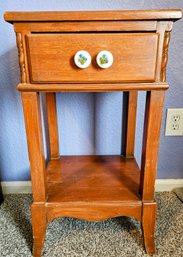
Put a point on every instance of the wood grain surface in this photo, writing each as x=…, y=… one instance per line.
x=151, y=136
x=93, y=187
x=51, y=57
x=166, y=14
x=52, y=125
x=32, y=116
x=86, y=26
x=148, y=226
x=129, y=123
x=93, y=211
x=93, y=178
x=91, y=87
x=39, y=222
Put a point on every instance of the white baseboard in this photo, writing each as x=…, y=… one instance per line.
x=16, y=187
x=167, y=184
x=24, y=187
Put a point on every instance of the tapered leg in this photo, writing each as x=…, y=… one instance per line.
x=39, y=222
x=152, y=125
x=148, y=226
x=129, y=123
x=52, y=125
x=32, y=114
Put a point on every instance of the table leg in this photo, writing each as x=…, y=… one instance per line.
x=129, y=123
x=148, y=226
x=152, y=126
x=39, y=223
x=52, y=125
x=32, y=114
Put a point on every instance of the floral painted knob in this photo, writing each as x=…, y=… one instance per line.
x=82, y=59
x=104, y=59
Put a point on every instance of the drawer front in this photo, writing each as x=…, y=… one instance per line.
x=51, y=57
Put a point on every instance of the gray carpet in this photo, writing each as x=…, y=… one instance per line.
x=68, y=237
x=179, y=192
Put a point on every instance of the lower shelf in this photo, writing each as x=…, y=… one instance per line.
x=93, y=178
x=93, y=187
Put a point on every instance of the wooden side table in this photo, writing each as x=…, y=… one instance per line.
x=93, y=52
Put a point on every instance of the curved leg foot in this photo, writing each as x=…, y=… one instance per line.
x=148, y=226
x=39, y=228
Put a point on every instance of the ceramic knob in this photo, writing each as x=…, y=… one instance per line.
x=82, y=59
x=104, y=59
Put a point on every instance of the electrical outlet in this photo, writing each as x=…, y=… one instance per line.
x=174, y=122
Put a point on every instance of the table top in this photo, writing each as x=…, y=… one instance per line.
x=163, y=14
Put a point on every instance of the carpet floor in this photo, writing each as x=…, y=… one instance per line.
x=67, y=237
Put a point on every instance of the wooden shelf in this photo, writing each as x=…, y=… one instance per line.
x=97, y=179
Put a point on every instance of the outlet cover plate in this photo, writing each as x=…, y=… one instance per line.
x=174, y=122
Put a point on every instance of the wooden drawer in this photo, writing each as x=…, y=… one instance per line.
x=51, y=57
